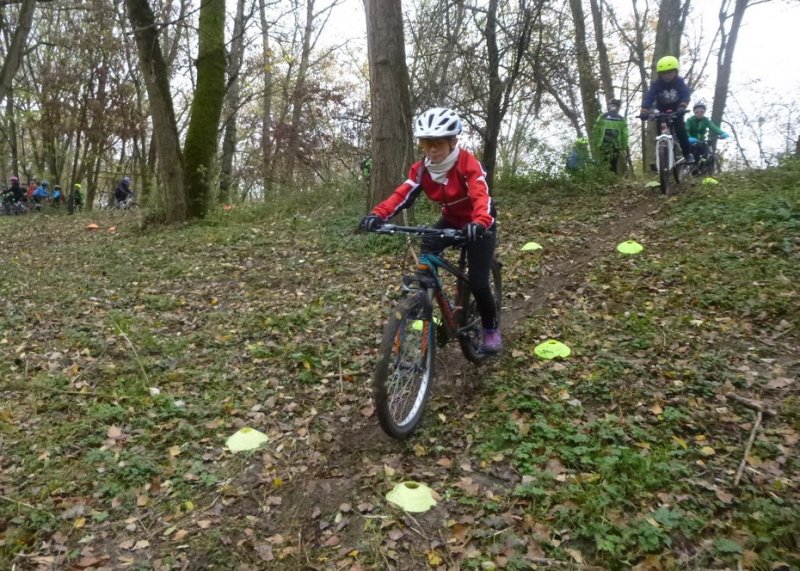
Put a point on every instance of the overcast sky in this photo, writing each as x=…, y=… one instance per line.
x=766, y=64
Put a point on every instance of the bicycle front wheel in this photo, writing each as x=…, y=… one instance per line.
x=469, y=321
x=664, y=170
x=405, y=366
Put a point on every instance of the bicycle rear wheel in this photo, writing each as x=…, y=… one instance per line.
x=405, y=366
x=469, y=320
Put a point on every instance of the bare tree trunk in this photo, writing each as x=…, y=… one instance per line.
x=602, y=52
x=12, y=133
x=266, y=135
x=13, y=59
x=200, y=150
x=154, y=70
x=232, y=102
x=588, y=83
x=299, y=95
x=724, y=61
x=389, y=96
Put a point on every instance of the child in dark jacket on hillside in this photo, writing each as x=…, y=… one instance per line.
x=669, y=93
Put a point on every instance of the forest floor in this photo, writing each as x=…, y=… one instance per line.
x=127, y=357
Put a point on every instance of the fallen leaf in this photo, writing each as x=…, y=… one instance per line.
x=204, y=523
x=707, y=451
x=656, y=409
x=114, y=432
x=724, y=496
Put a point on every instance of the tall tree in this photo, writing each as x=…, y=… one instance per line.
x=165, y=127
x=200, y=149
x=588, y=82
x=267, y=166
x=232, y=102
x=13, y=59
x=389, y=95
x=725, y=57
x=602, y=51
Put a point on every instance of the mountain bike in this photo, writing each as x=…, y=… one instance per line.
x=13, y=207
x=667, y=148
x=407, y=354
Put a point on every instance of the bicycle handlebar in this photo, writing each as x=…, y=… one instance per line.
x=422, y=232
x=665, y=115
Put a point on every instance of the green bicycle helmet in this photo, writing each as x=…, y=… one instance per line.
x=667, y=63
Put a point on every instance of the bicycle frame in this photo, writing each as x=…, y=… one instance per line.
x=429, y=264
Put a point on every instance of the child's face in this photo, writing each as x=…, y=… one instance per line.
x=437, y=149
x=668, y=75
x=699, y=112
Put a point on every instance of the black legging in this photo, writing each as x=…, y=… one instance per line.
x=479, y=262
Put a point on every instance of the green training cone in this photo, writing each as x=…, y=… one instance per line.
x=551, y=349
x=530, y=246
x=412, y=497
x=630, y=247
x=710, y=180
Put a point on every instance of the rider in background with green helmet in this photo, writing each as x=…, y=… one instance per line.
x=668, y=93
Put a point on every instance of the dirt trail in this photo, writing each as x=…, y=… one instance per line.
x=361, y=445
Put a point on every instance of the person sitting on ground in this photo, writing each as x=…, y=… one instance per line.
x=14, y=193
x=696, y=128
x=57, y=196
x=123, y=190
x=453, y=178
x=33, y=184
x=42, y=193
x=669, y=93
x=77, y=196
x=610, y=137
x=578, y=157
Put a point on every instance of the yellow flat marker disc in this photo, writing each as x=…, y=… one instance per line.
x=630, y=247
x=551, y=349
x=531, y=246
x=245, y=439
x=412, y=497
x=416, y=325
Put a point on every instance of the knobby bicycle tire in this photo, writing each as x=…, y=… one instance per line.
x=405, y=366
x=470, y=317
x=664, y=173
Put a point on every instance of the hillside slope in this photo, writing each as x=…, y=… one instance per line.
x=129, y=357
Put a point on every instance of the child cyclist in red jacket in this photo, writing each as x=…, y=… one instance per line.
x=453, y=178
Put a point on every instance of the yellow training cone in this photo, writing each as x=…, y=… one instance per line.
x=551, y=349
x=530, y=246
x=245, y=439
x=652, y=184
x=710, y=180
x=630, y=247
x=412, y=497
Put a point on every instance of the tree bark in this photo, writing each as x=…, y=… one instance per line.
x=389, y=96
x=201, y=138
x=232, y=102
x=602, y=53
x=13, y=59
x=724, y=62
x=154, y=70
x=267, y=163
x=299, y=95
x=588, y=82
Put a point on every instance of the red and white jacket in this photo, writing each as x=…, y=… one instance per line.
x=464, y=195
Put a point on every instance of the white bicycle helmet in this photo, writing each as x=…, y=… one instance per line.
x=437, y=122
